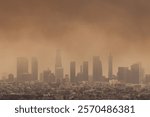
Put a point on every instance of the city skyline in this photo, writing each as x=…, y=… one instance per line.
x=133, y=74
x=74, y=49
x=33, y=66
x=82, y=29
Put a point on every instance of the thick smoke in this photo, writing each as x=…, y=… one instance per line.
x=81, y=28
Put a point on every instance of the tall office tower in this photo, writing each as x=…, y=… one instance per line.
x=85, y=71
x=142, y=80
x=58, y=67
x=73, y=72
x=137, y=73
x=123, y=74
x=80, y=74
x=97, y=69
x=34, y=68
x=81, y=69
x=22, y=67
x=110, y=67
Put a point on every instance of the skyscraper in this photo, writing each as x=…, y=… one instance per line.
x=58, y=67
x=73, y=72
x=123, y=74
x=22, y=67
x=85, y=71
x=110, y=67
x=80, y=74
x=34, y=68
x=97, y=69
x=137, y=73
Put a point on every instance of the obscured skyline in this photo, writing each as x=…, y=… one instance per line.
x=80, y=28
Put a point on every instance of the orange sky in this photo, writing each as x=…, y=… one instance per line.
x=80, y=28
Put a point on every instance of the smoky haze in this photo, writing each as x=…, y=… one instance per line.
x=80, y=28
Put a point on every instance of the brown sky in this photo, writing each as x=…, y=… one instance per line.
x=81, y=28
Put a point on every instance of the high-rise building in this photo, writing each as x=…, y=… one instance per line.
x=137, y=73
x=110, y=67
x=22, y=67
x=85, y=71
x=80, y=74
x=58, y=67
x=73, y=72
x=123, y=74
x=97, y=69
x=34, y=68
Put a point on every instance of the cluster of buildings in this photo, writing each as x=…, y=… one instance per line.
x=82, y=91
x=23, y=69
x=133, y=75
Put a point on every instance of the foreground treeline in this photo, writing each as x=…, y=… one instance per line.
x=81, y=91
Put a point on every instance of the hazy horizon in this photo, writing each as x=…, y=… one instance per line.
x=80, y=28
